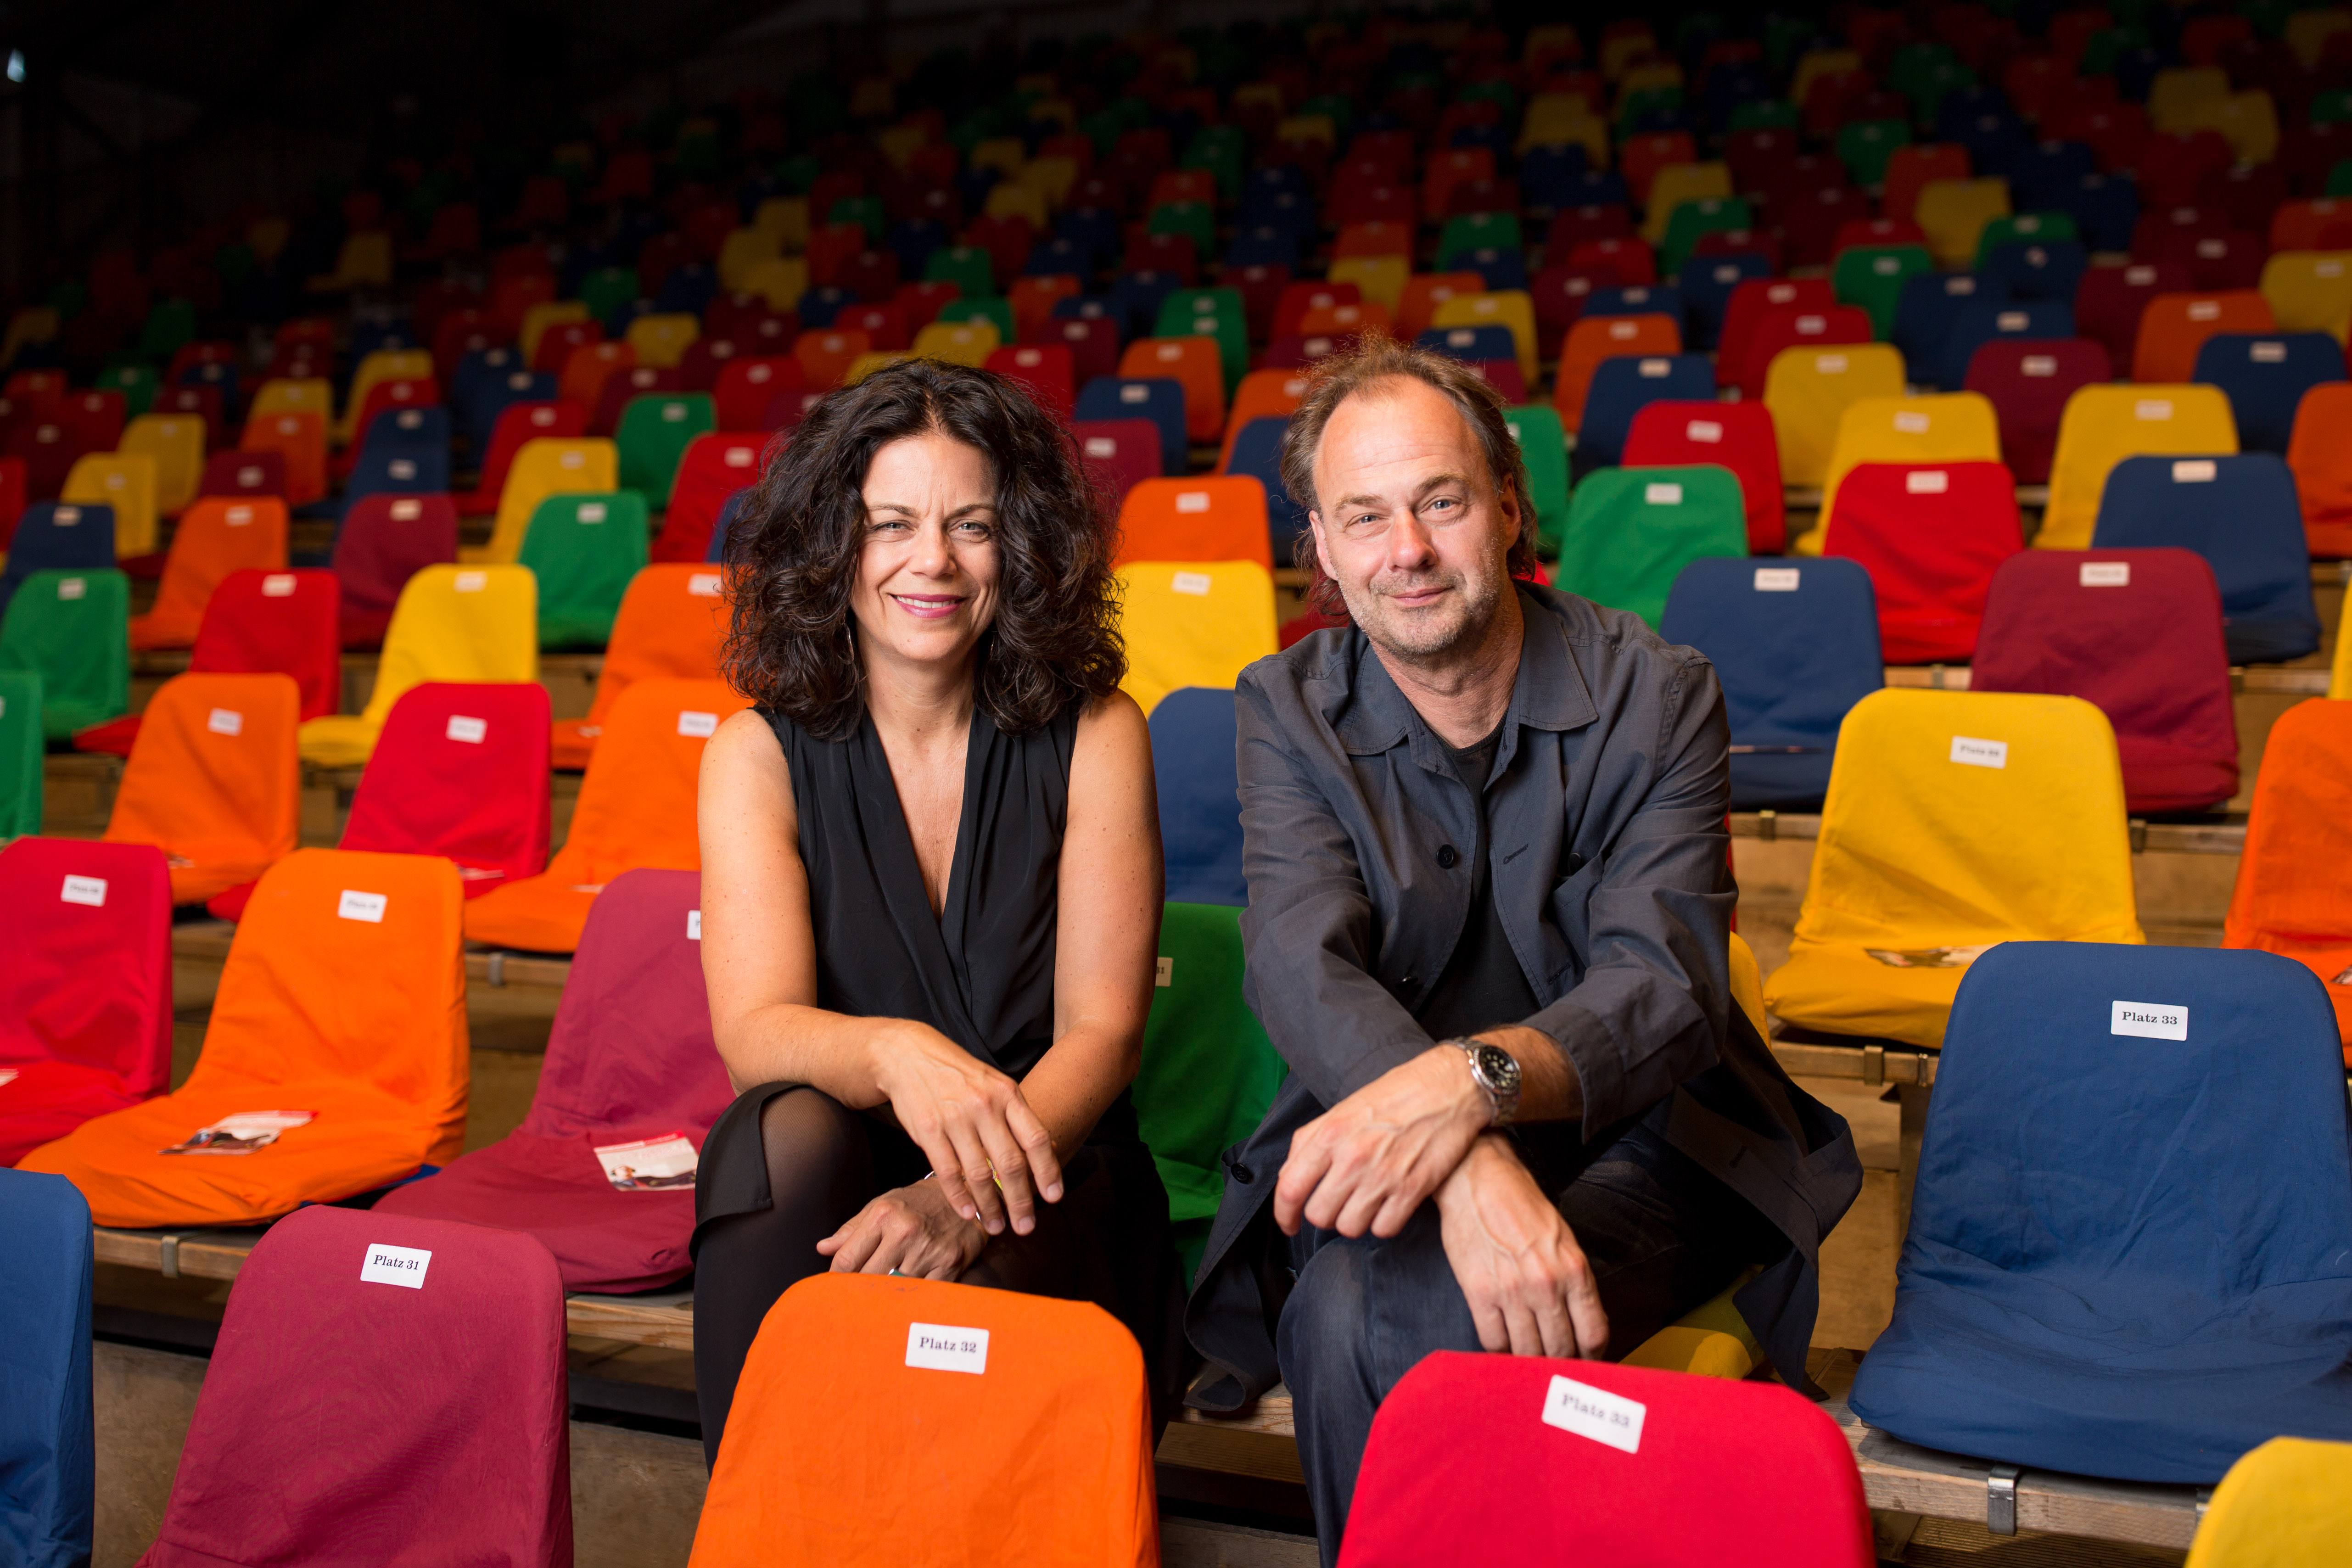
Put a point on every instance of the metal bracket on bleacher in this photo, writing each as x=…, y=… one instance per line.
x=2001, y=1500
x=1873, y=1065
x=170, y=1263
x=1768, y=825
x=497, y=968
x=2139, y=826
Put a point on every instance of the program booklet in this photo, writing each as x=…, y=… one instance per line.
x=666, y=1160
x=1928, y=957
x=241, y=1134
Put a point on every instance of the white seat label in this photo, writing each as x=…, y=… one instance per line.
x=940, y=1348
x=1811, y=326
x=466, y=728
x=1781, y=293
x=472, y=582
x=72, y=587
x=239, y=516
x=1927, y=482
x=1192, y=500
x=1910, y=423
x=590, y=511
x=1607, y=1418
x=2267, y=353
x=408, y=510
x=2204, y=309
x=1979, y=753
x=91, y=891
x=2152, y=408
x=1620, y=331
x=1777, y=579
x=573, y=460
x=225, y=721
x=1195, y=583
x=705, y=585
x=2139, y=277
x=401, y=468
x=2106, y=573
x=249, y=475
x=1657, y=369
x=1663, y=495
x=2009, y=322
x=2149, y=1020
x=673, y=412
x=696, y=725
x=389, y=1265
x=1135, y=394
x=1101, y=447
x=1829, y=365
x=1886, y=266
x=740, y=457
x=2039, y=365
x=2194, y=471
x=357, y=906
x=1959, y=286
x=694, y=925
x=543, y=418
x=1705, y=430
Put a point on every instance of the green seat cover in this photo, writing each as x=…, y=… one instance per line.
x=655, y=430
x=2040, y=228
x=1195, y=219
x=1210, y=313
x=1544, y=444
x=137, y=383
x=73, y=630
x=968, y=266
x=21, y=745
x=993, y=309
x=1474, y=231
x=1871, y=276
x=1702, y=214
x=1863, y=146
x=585, y=548
x=1632, y=531
x=608, y=288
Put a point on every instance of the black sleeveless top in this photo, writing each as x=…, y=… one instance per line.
x=981, y=971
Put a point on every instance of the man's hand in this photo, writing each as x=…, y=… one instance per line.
x=1532, y=1291
x=1367, y=1164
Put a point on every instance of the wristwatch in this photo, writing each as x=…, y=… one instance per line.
x=1497, y=1071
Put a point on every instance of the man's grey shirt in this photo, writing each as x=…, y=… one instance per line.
x=1606, y=839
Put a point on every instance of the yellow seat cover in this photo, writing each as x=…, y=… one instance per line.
x=452, y=622
x=1192, y=623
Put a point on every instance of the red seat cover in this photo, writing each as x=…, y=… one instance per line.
x=1736, y=435
x=1931, y=546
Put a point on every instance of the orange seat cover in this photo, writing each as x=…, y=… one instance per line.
x=1597, y=337
x=344, y=995
x=301, y=438
x=2173, y=327
x=215, y=780
x=671, y=623
x=217, y=535
x=2321, y=461
x=932, y=1450
x=2293, y=896
x=637, y=808
x=1193, y=364
x=1205, y=517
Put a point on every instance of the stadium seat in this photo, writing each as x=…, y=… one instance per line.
x=343, y=1000
x=125, y=483
x=87, y=1025
x=298, y=441
x=333, y=1309
x=57, y=536
x=715, y=466
x=1795, y=647
x=2321, y=461
x=22, y=748
x=2308, y=291
x=671, y=623
x=2174, y=327
x=256, y=621
x=583, y=550
x=452, y=622
x=1750, y=303
x=1930, y=304
x=1955, y=820
x=2284, y=1504
x=1622, y=387
x=1931, y=536
x=1208, y=516
x=896, y=1361
x=1120, y=453
x=1952, y=427
x=406, y=451
x=214, y=539
x=2138, y=633
x=2159, y=1350
x=47, y=1426
x=1193, y=622
x=241, y=473
x=382, y=542
x=1989, y=320
x=1597, y=337
x=1808, y=391
x=2028, y=381
x=653, y=434
x=1872, y=277
x=1953, y=213
x=2267, y=378
x=382, y=365
x=213, y=781
x=175, y=443
x=521, y=422
x=1784, y=327
x=1631, y=532
x=1255, y=451
x=1160, y=399
x=1199, y=812
x=1511, y=308
x=72, y=629
x=636, y=808
x=2240, y=514
x=661, y=340
x=2291, y=897
x=631, y=1074
x=1543, y=450
x=544, y=466
x=1598, y=1463
x=1193, y=364
x=2104, y=425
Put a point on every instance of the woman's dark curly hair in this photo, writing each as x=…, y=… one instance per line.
x=792, y=644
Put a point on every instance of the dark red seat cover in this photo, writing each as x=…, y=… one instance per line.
x=631, y=1057
x=2137, y=633
x=2028, y=381
x=385, y=540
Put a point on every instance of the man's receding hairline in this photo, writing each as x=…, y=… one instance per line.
x=1390, y=385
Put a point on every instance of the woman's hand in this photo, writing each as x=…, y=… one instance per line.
x=973, y=1124
x=912, y=1231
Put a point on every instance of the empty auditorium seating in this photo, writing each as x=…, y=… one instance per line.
x=459, y=771
x=48, y=1423
x=1955, y=428
x=125, y=483
x=1795, y=645
x=21, y=747
x=213, y=780
x=1208, y=516
x=214, y=538
x=581, y=548
x=1736, y=435
x=671, y=623
x=1955, y=820
x=86, y=1027
x=1808, y=391
x=1632, y=531
x=1192, y=623
x=2028, y=381
x=2159, y=1350
x=2104, y=425
x=2321, y=462
x=1597, y=1463
x=1931, y=535
x=2174, y=327
x=453, y=622
x=2290, y=898
x=1624, y=386
x=343, y=1000
x=2138, y=633
x=1597, y=337
x=896, y=1362
x=545, y=466
x=333, y=1309
x=2267, y=378
x=72, y=629
x=57, y=536
x=382, y=542
x=636, y=808
x=715, y=466
x=2240, y=514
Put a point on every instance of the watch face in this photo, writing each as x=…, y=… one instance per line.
x=1498, y=1069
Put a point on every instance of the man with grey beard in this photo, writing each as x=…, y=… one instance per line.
x=1488, y=930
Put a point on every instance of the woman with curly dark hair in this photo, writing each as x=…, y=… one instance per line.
x=931, y=875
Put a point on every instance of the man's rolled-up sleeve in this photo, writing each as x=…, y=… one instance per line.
x=1653, y=1002
x=1308, y=931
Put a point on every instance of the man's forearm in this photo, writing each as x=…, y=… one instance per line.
x=1548, y=1088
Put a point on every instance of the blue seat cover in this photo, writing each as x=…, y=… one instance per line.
x=2265, y=374
x=1160, y=399
x=1622, y=386
x=57, y=536
x=1257, y=452
x=47, y=1448
x=1986, y=320
x=2242, y=515
x=1193, y=768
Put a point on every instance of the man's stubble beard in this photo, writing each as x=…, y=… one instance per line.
x=1418, y=641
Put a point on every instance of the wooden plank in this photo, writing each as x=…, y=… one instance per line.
x=208, y=941
x=2279, y=680
x=1811, y=1059
x=2220, y=837
x=664, y=1320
